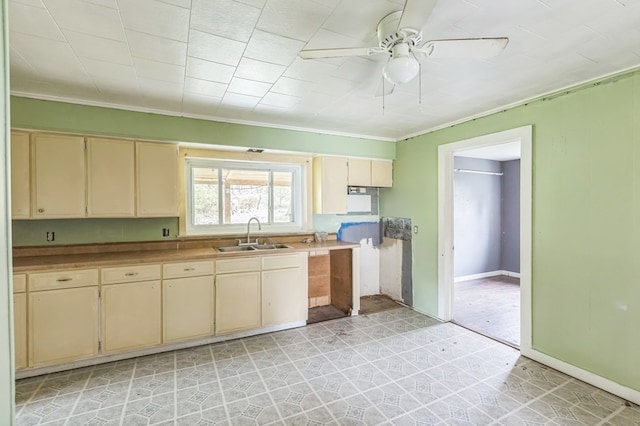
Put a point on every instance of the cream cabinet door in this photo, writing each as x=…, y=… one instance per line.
x=330, y=185
x=187, y=308
x=63, y=325
x=284, y=297
x=237, y=302
x=20, y=176
x=131, y=316
x=381, y=173
x=20, y=329
x=157, y=179
x=59, y=187
x=110, y=178
x=359, y=172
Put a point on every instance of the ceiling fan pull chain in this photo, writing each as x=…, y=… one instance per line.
x=383, y=95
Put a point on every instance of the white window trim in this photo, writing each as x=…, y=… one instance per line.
x=299, y=193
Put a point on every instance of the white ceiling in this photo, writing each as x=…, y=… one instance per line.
x=237, y=60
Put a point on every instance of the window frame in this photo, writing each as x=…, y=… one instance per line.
x=297, y=191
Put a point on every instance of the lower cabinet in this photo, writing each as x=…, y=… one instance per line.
x=20, y=321
x=187, y=308
x=131, y=316
x=63, y=325
x=284, y=290
x=238, y=303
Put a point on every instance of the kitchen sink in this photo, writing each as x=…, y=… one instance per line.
x=235, y=248
x=272, y=246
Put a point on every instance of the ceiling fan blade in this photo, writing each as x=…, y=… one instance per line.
x=336, y=53
x=416, y=13
x=463, y=48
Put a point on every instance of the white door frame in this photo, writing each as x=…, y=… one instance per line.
x=445, y=222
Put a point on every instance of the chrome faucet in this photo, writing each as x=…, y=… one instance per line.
x=249, y=228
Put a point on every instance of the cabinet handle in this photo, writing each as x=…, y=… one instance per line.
x=130, y=274
x=61, y=280
x=189, y=269
x=40, y=210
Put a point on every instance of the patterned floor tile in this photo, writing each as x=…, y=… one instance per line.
x=563, y=412
x=345, y=358
x=102, y=397
x=48, y=410
x=107, y=374
x=295, y=399
x=257, y=410
x=423, y=388
x=280, y=376
x=227, y=350
x=243, y=386
x=148, y=386
x=104, y=416
x=540, y=375
x=491, y=401
x=211, y=417
x=155, y=364
x=301, y=350
x=629, y=415
x=288, y=337
x=399, y=344
x=597, y=402
x=374, y=351
x=515, y=387
x=333, y=387
x=421, y=417
x=456, y=410
x=392, y=400
x=526, y=417
x=451, y=377
x=331, y=343
x=396, y=366
x=197, y=399
x=151, y=410
x=260, y=343
x=61, y=384
x=316, y=331
x=356, y=410
x=422, y=359
x=365, y=377
x=235, y=366
x=193, y=357
x=269, y=358
x=313, y=367
x=318, y=416
x=193, y=376
x=401, y=326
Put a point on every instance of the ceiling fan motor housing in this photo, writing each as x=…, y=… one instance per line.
x=389, y=34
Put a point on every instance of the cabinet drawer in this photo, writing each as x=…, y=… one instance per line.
x=280, y=262
x=187, y=269
x=19, y=283
x=127, y=274
x=241, y=264
x=63, y=279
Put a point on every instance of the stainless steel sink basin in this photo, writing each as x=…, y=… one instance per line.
x=235, y=248
x=272, y=246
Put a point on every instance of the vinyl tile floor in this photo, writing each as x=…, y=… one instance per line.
x=490, y=306
x=395, y=367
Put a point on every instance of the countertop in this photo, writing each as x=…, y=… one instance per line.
x=92, y=260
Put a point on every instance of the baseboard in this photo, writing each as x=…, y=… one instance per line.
x=486, y=275
x=584, y=375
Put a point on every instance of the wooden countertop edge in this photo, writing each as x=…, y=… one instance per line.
x=96, y=260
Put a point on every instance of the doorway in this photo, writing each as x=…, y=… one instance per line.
x=446, y=221
x=487, y=241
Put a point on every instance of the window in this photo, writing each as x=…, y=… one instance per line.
x=223, y=195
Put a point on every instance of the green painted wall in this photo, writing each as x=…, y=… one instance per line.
x=65, y=117
x=586, y=221
x=82, y=231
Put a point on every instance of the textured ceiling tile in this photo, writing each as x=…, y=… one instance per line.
x=88, y=18
x=299, y=19
x=165, y=89
x=259, y=71
x=204, y=87
x=53, y=59
x=186, y=4
x=18, y=64
x=157, y=48
x=34, y=21
x=249, y=87
x=309, y=70
x=280, y=100
x=234, y=99
x=108, y=70
x=355, y=21
x=211, y=71
x=159, y=70
x=106, y=3
x=272, y=48
x=215, y=48
x=32, y=3
x=200, y=105
x=293, y=87
x=225, y=18
x=156, y=18
x=93, y=47
x=255, y=3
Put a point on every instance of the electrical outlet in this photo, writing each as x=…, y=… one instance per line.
x=51, y=236
x=165, y=232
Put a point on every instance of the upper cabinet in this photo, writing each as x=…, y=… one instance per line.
x=58, y=176
x=20, y=176
x=110, y=178
x=157, y=179
x=330, y=181
x=376, y=173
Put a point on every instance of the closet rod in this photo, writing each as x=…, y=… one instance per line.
x=479, y=172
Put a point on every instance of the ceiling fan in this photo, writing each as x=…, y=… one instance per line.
x=400, y=35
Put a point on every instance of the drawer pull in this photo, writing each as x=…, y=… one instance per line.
x=189, y=269
x=130, y=274
x=61, y=280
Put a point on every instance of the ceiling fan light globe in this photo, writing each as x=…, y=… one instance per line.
x=401, y=70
